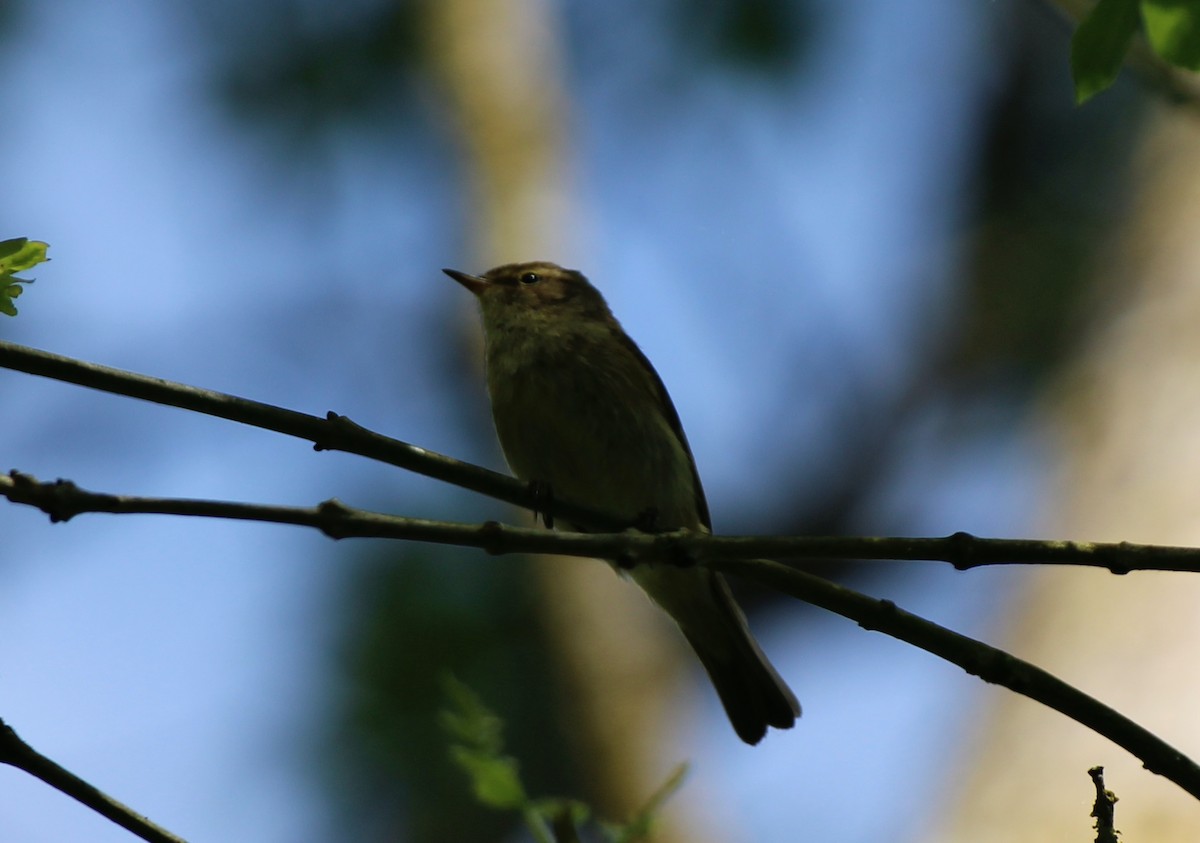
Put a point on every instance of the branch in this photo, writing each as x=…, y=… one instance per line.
x=977, y=658
x=63, y=500
x=1102, y=808
x=17, y=753
x=332, y=433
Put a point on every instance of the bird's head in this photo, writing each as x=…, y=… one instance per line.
x=539, y=294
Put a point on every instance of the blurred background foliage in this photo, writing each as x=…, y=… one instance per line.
x=309, y=84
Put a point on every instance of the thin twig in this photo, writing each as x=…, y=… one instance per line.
x=1103, y=809
x=63, y=500
x=17, y=753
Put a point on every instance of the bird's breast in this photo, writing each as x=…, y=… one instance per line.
x=592, y=427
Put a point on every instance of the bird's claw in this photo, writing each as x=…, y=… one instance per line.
x=543, y=500
x=647, y=520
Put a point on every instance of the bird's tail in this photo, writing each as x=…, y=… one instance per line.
x=750, y=689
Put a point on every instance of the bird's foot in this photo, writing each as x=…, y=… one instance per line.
x=647, y=520
x=543, y=500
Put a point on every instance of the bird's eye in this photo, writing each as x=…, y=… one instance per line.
x=530, y=278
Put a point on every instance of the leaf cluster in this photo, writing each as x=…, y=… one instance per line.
x=17, y=255
x=1104, y=37
x=478, y=749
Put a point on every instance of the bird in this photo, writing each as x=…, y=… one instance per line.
x=582, y=414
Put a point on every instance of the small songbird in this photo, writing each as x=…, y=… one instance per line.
x=579, y=409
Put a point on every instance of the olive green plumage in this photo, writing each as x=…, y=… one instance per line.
x=577, y=406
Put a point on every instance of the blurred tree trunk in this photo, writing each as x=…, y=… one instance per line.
x=1125, y=423
x=499, y=62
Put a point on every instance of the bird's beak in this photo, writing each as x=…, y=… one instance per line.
x=472, y=282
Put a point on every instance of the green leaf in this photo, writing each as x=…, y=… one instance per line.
x=557, y=809
x=17, y=254
x=1099, y=44
x=642, y=825
x=468, y=719
x=7, y=294
x=564, y=816
x=1173, y=30
x=21, y=253
x=494, y=778
x=12, y=246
